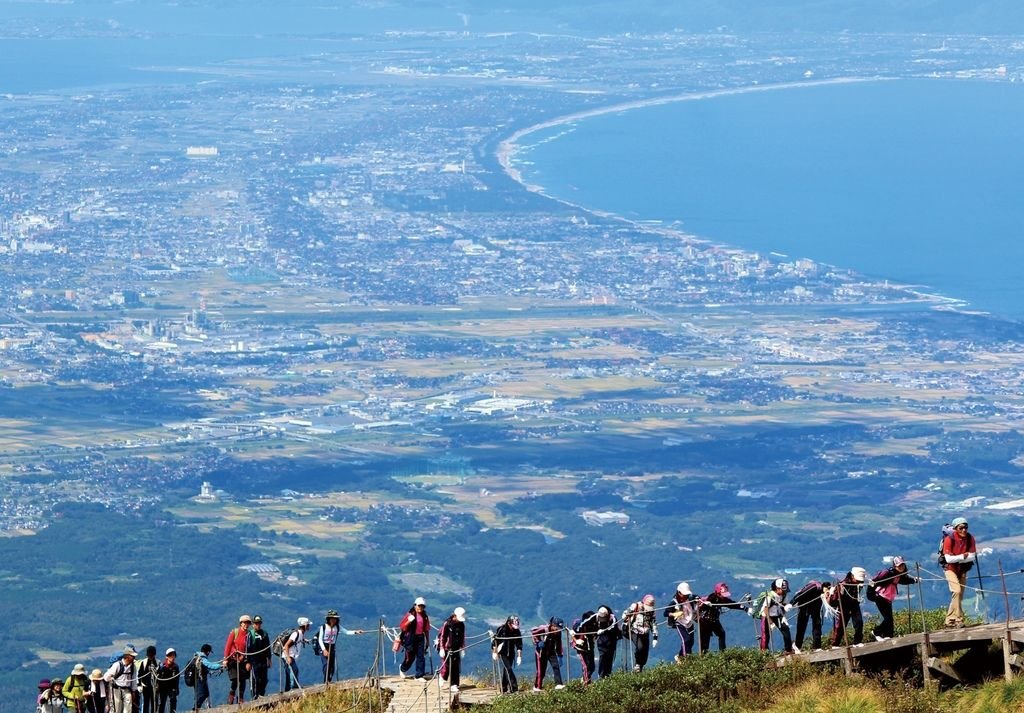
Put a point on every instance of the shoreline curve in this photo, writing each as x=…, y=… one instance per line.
x=508, y=148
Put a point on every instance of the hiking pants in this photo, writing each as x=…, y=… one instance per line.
x=506, y=666
x=811, y=612
x=330, y=665
x=96, y=703
x=543, y=659
x=415, y=649
x=957, y=584
x=586, y=657
x=782, y=625
x=641, y=649
x=238, y=675
x=291, y=674
x=259, y=678
x=850, y=614
x=605, y=660
x=886, y=627
x=202, y=692
x=685, y=640
x=120, y=699
x=707, y=628
x=451, y=667
x=162, y=699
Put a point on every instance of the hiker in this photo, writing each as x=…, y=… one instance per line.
x=811, y=601
x=415, y=633
x=709, y=615
x=203, y=666
x=959, y=553
x=292, y=649
x=96, y=700
x=43, y=687
x=883, y=592
x=845, y=597
x=260, y=657
x=451, y=647
x=582, y=634
x=123, y=681
x=772, y=614
x=52, y=699
x=506, y=650
x=681, y=615
x=325, y=642
x=236, y=650
x=641, y=626
x=77, y=688
x=147, y=672
x=547, y=644
x=167, y=683
x=608, y=635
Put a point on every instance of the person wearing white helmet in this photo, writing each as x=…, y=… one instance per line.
x=709, y=615
x=883, y=592
x=608, y=635
x=845, y=598
x=772, y=615
x=415, y=628
x=959, y=553
x=292, y=649
x=451, y=646
x=681, y=616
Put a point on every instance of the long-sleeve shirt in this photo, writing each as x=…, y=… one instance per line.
x=959, y=552
x=122, y=674
x=507, y=640
x=75, y=687
x=886, y=581
x=237, y=644
x=547, y=640
x=710, y=609
x=204, y=664
x=639, y=620
x=327, y=636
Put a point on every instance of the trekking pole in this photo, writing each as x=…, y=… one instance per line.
x=977, y=571
x=1006, y=595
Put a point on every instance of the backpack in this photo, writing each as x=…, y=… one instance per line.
x=190, y=672
x=947, y=531
x=318, y=648
x=756, y=609
x=277, y=646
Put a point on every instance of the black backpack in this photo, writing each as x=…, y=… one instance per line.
x=190, y=672
x=277, y=647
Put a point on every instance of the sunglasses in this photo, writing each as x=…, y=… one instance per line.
x=960, y=527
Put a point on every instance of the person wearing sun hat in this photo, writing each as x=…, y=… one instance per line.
x=884, y=590
x=959, y=552
x=52, y=699
x=123, y=680
x=96, y=701
x=236, y=654
x=76, y=688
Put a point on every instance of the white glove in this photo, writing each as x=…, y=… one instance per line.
x=654, y=644
x=788, y=607
x=441, y=653
x=494, y=656
x=519, y=659
x=462, y=654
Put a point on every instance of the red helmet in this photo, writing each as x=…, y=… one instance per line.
x=722, y=589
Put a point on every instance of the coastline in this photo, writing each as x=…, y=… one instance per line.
x=507, y=148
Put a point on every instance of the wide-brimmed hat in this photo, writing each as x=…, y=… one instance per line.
x=245, y=619
x=78, y=670
x=96, y=675
x=129, y=650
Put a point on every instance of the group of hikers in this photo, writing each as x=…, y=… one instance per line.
x=149, y=685
x=594, y=635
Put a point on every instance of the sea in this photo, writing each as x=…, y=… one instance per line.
x=916, y=181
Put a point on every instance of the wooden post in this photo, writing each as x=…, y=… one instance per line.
x=926, y=646
x=1008, y=647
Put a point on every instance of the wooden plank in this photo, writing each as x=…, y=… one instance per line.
x=934, y=663
x=1016, y=661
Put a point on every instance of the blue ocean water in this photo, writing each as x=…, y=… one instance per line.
x=917, y=181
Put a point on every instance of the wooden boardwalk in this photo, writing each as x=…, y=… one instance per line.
x=432, y=696
x=929, y=647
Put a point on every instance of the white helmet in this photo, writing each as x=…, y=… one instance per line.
x=460, y=614
x=684, y=588
x=302, y=621
x=859, y=574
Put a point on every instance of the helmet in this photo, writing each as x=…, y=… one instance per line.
x=683, y=588
x=302, y=621
x=958, y=521
x=420, y=602
x=722, y=589
x=332, y=614
x=460, y=614
x=858, y=573
x=781, y=584
x=898, y=561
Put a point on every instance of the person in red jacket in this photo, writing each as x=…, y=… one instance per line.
x=959, y=552
x=415, y=628
x=236, y=650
